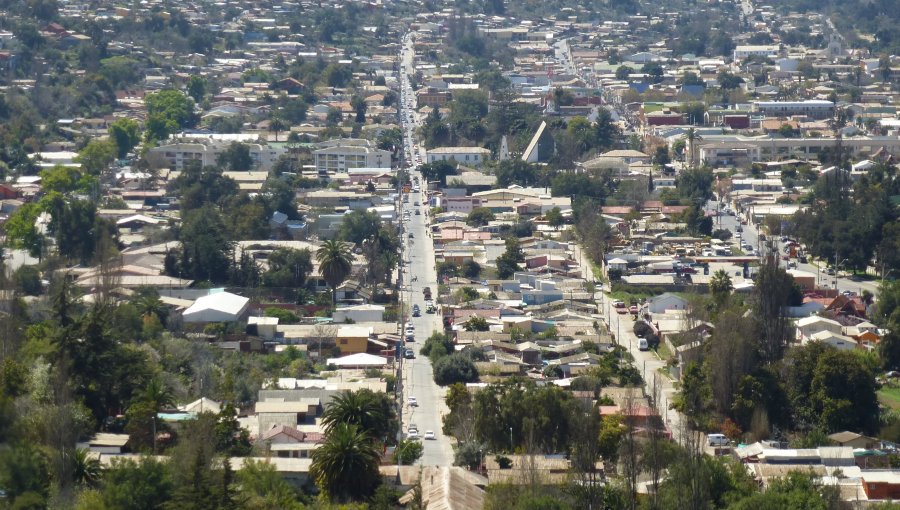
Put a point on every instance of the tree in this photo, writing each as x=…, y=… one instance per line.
x=205, y=251
x=437, y=171
x=196, y=88
x=263, y=488
x=370, y=412
x=288, y=268
x=476, y=323
x=86, y=469
x=622, y=72
x=335, y=263
x=470, y=269
x=508, y=262
x=96, y=156
x=515, y=171
x=480, y=216
x=125, y=133
x=654, y=71
x=21, y=230
x=554, y=218
x=167, y=111
x=720, y=285
x=345, y=466
x=774, y=291
x=407, y=452
x=236, y=157
x=357, y=226
x=455, y=368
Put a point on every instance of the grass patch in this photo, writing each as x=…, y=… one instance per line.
x=890, y=396
x=663, y=351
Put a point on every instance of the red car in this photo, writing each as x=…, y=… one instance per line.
x=633, y=309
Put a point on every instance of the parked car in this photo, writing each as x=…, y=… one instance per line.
x=409, y=354
x=412, y=402
x=643, y=345
x=429, y=435
x=717, y=440
x=619, y=304
x=633, y=309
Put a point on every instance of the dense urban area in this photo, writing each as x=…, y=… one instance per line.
x=429, y=254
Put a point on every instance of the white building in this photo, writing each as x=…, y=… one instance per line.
x=350, y=154
x=808, y=327
x=469, y=156
x=359, y=313
x=174, y=155
x=813, y=108
x=217, y=307
x=768, y=51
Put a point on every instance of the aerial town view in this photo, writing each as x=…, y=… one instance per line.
x=450, y=255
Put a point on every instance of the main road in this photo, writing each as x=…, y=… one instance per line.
x=418, y=272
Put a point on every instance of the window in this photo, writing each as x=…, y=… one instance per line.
x=343, y=341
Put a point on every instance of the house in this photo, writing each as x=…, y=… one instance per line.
x=102, y=442
x=853, y=440
x=809, y=326
x=359, y=313
x=469, y=156
x=217, y=307
x=836, y=340
x=286, y=441
x=353, y=339
x=667, y=301
x=273, y=412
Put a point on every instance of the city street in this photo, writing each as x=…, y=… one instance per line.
x=751, y=235
x=417, y=274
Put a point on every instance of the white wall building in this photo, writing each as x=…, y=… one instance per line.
x=469, y=156
x=176, y=154
x=343, y=157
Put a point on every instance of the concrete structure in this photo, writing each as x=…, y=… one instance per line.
x=176, y=154
x=359, y=313
x=767, y=51
x=743, y=150
x=469, y=156
x=343, y=157
x=815, y=109
x=809, y=326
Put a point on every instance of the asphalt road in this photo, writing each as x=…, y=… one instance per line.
x=751, y=235
x=419, y=273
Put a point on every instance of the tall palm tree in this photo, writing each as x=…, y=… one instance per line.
x=345, y=466
x=158, y=396
x=361, y=408
x=335, y=263
x=692, y=139
x=86, y=468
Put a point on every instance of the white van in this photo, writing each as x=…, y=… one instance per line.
x=643, y=345
x=717, y=440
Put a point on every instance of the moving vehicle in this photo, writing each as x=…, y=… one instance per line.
x=409, y=354
x=429, y=434
x=412, y=433
x=411, y=401
x=717, y=440
x=633, y=309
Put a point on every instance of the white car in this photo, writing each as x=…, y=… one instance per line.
x=412, y=402
x=412, y=434
x=429, y=434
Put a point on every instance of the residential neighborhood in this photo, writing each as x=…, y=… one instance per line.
x=449, y=255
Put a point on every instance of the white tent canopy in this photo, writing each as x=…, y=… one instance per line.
x=217, y=307
x=361, y=359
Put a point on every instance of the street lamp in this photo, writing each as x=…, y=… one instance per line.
x=511, y=445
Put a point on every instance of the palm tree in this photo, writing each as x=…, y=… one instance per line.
x=720, y=284
x=277, y=125
x=335, y=263
x=345, y=466
x=86, y=468
x=361, y=408
x=692, y=139
x=158, y=396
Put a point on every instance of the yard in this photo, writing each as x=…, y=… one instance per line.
x=889, y=395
